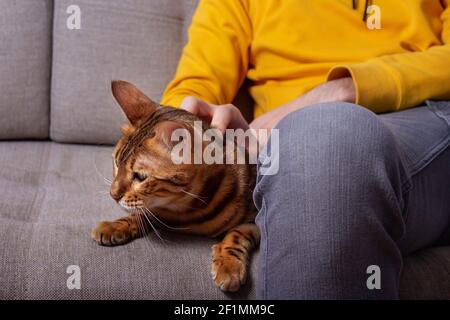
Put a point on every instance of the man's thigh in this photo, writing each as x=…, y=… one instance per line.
x=423, y=138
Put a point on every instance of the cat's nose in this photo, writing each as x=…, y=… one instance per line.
x=116, y=195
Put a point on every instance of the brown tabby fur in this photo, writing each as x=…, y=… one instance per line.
x=209, y=200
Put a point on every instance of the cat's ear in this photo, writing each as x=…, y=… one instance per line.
x=135, y=104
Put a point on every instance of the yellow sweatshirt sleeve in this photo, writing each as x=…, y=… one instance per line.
x=404, y=80
x=214, y=62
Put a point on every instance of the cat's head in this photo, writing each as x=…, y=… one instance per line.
x=144, y=174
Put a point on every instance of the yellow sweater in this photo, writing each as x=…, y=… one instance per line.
x=287, y=47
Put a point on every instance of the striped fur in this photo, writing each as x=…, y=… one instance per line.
x=209, y=200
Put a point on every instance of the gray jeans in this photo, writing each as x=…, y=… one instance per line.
x=354, y=189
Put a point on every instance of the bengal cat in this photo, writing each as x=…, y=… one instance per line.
x=213, y=200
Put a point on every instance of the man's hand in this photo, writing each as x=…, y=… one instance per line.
x=228, y=116
x=341, y=90
x=221, y=117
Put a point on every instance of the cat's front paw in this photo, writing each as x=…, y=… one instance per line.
x=228, y=271
x=112, y=233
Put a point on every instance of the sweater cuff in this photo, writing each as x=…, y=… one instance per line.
x=377, y=87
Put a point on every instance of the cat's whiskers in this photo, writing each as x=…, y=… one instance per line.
x=107, y=181
x=144, y=232
x=151, y=224
x=139, y=222
x=194, y=196
x=103, y=192
x=159, y=220
x=135, y=215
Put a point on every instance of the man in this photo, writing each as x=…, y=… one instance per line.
x=364, y=151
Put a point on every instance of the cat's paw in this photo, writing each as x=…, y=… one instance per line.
x=229, y=273
x=112, y=233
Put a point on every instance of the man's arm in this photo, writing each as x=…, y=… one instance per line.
x=400, y=81
x=340, y=90
x=214, y=62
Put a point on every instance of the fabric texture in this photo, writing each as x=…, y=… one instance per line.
x=425, y=275
x=25, y=54
x=131, y=40
x=52, y=196
x=356, y=189
x=231, y=40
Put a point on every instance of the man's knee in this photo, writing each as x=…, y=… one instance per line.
x=331, y=155
x=335, y=195
x=332, y=136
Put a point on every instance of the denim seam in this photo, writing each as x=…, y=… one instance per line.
x=430, y=155
x=439, y=147
x=266, y=251
x=392, y=197
x=406, y=206
x=420, y=165
x=406, y=189
x=438, y=112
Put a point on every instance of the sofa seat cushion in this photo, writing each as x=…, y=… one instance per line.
x=53, y=194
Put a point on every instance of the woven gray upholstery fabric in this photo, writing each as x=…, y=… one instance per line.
x=25, y=53
x=135, y=40
x=52, y=195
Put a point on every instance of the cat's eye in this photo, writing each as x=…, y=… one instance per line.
x=176, y=180
x=140, y=177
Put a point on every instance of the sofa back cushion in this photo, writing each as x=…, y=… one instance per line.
x=25, y=54
x=139, y=41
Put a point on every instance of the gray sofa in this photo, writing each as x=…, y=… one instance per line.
x=57, y=124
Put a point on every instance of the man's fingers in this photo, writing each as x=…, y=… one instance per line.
x=197, y=107
x=228, y=117
x=191, y=104
x=221, y=118
x=238, y=121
